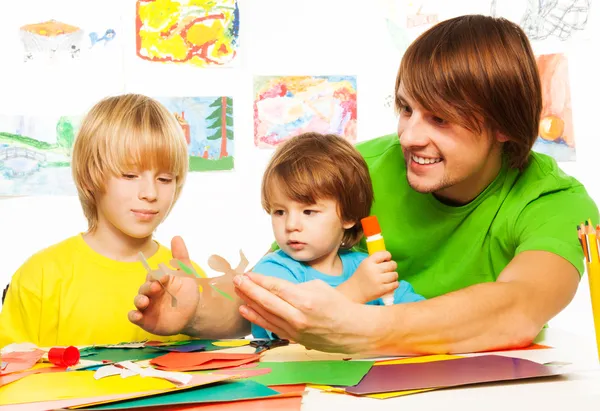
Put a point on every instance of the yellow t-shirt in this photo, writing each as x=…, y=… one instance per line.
x=68, y=294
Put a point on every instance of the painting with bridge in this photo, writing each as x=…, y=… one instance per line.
x=35, y=154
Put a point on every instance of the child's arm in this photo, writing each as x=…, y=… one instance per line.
x=273, y=268
x=374, y=278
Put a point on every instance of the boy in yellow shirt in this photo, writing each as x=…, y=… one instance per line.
x=129, y=164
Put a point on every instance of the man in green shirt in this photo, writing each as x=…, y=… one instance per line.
x=477, y=223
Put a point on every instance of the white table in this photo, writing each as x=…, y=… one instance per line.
x=575, y=391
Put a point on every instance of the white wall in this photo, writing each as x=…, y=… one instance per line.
x=219, y=212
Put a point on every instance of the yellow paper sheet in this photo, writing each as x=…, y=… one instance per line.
x=231, y=343
x=81, y=384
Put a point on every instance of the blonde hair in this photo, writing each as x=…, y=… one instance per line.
x=120, y=132
x=313, y=166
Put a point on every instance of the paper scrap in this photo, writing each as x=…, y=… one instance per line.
x=231, y=343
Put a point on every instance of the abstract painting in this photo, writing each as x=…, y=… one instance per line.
x=285, y=106
x=35, y=155
x=207, y=124
x=203, y=33
x=556, y=136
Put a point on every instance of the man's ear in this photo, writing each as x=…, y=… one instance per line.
x=500, y=137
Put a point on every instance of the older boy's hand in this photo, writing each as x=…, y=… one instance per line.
x=375, y=277
x=155, y=313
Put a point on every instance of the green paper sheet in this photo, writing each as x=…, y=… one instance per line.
x=313, y=372
x=220, y=392
x=123, y=354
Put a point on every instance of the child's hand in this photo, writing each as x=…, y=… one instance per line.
x=375, y=277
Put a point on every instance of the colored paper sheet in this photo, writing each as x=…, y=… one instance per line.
x=123, y=354
x=530, y=347
x=421, y=359
x=20, y=361
x=450, y=373
x=7, y=379
x=313, y=372
x=209, y=345
x=289, y=399
x=181, y=348
x=81, y=384
x=231, y=343
x=224, y=392
x=195, y=361
x=243, y=372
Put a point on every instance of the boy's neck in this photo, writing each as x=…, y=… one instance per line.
x=118, y=246
x=328, y=264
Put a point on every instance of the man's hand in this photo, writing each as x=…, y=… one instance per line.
x=154, y=311
x=375, y=277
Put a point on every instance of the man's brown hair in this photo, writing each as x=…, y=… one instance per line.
x=478, y=72
x=313, y=166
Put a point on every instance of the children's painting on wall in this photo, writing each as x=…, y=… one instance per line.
x=556, y=136
x=50, y=40
x=285, y=106
x=202, y=33
x=207, y=124
x=35, y=155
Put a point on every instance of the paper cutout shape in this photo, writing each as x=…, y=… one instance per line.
x=451, y=373
x=128, y=369
x=231, y=343
x=20, y=361
x=201, y=361
x=217, y=284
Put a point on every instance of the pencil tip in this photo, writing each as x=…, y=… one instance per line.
x=586, y=223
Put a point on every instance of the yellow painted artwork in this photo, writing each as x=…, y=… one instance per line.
x=203, y=33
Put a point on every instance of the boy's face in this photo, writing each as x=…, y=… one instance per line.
x=136, y=202
x=308, y=233
x=444, y=158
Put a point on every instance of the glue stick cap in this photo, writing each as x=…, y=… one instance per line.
x=370, y=225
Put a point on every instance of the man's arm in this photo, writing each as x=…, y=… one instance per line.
x=533, y=288
x=510, y=312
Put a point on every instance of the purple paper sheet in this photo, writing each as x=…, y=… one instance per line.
x=449, y=373
x=181, y=348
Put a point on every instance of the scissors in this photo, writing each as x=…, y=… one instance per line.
x=264, y=344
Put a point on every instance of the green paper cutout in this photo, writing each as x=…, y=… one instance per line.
x=313, y=372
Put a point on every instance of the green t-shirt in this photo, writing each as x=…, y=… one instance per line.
x=441, y=248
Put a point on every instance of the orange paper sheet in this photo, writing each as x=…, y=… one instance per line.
x=195, y=361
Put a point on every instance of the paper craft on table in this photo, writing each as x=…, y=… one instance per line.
x=20, y=361
x=128, y=369
x=196, y=361
x=450, y=373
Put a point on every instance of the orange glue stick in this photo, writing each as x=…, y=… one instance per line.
x=375, y=243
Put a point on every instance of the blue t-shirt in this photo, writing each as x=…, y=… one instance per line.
x=279, y=264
